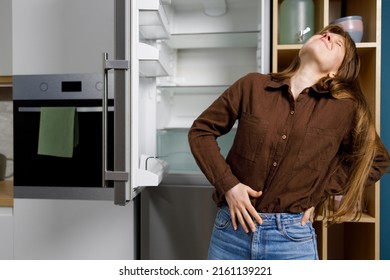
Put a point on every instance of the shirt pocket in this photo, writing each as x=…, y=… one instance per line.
x=250, y=136
x=318, y=148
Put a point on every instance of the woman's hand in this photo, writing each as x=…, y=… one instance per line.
x=308, y=215
x=241, y=208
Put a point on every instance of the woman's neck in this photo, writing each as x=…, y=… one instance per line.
x=305, y=77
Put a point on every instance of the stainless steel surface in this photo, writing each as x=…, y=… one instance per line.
x=176, y=222
x=78, y=109
x=121, y=102
x=64, y=193
x=187, y=179
x=115, y=175
x=104, y=120
x=48, y=87
x=84, y=92
x=109, y=65
x=115, y=64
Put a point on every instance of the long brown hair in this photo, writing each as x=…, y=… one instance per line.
x=345, y=84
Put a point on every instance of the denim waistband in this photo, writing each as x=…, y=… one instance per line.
x=280, y=218
x=277, y=218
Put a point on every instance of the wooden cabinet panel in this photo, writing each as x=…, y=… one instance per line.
x=344, y=241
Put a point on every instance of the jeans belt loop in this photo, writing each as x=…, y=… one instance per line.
x=278, y=221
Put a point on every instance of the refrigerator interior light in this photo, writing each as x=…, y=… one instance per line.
x=214, y=8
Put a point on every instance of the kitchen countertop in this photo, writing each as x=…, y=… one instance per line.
x=7, y=193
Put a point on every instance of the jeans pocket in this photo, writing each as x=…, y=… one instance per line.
x=222, y=220
x=298, y=233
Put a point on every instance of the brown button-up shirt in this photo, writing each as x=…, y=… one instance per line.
x=290, y=149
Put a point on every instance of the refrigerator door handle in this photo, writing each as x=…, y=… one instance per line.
x=115, y=64
x=107, y=175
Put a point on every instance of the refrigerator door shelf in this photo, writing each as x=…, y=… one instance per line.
x=152, y=62
x=153, y=20
x=151, y=171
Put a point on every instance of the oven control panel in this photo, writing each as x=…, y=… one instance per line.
x=62, y=86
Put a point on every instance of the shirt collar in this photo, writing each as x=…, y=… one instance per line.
x=274, y=84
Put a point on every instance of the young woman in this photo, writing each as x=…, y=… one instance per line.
x=303, y=135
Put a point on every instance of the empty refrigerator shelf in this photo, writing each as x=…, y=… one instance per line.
x=182, y=104
x=214, y=40
x=192, y=89
x=173, y=148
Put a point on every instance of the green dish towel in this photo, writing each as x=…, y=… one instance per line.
x=58, y=131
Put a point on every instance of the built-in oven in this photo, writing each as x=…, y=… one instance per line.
x=78, y=176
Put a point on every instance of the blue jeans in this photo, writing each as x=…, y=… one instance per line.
x=280, y=237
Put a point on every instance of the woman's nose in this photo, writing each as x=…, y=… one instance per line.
x=327, y=36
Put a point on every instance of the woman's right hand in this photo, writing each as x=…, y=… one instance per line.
x=241, y=208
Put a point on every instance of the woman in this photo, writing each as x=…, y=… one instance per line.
x=303, y=135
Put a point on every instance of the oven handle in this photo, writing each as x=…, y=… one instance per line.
x=78, y=109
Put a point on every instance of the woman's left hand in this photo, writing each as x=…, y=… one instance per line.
x=308, y=215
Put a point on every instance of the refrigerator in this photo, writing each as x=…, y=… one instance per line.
x=155, y=65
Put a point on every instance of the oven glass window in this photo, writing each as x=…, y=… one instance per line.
x=84, y=169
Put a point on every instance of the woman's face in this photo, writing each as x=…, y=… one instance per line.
x=326, y=50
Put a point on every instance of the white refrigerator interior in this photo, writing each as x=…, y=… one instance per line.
x=208, y=46
x=183, y=54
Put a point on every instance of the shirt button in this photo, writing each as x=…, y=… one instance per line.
x=284, y=137
x=275, y=164
x=292, y=112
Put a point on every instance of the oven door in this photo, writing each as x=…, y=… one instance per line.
x=84, y=169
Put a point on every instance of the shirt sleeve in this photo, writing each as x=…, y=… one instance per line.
x=380, y=164
x=216, y=120
x=339, y=178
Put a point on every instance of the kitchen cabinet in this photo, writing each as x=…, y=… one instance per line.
x=6, y=233
x=5, y=88
x=72, y=229
x=350, y=240
x=69, y=44
x=6, y=38
x=6, y=194
x=6, y=50
x=6, y=220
